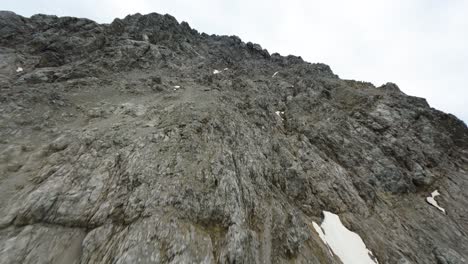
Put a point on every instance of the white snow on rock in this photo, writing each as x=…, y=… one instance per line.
x=176, y=87
x=226, y=69
x=322, y=236
x=431, y=200
x=216, y=72
x=280, y=113
x=347, y=245
x=19, y=69
x=274, y=74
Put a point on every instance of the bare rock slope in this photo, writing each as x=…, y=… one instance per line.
x=144, y=141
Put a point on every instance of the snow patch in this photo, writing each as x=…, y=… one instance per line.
x=319, y=230
x=176, y=87
x=216, y=72
x=19, y=69
x=226, y=69
x=347, y=245
x=431, y=200
x=274, y=74
x=280, y=113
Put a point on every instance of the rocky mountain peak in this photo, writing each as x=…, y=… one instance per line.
x=144, y=141
x=154, y=26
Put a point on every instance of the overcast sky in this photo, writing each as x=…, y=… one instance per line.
x=421, y=45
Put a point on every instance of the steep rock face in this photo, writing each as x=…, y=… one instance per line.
x=119, y=144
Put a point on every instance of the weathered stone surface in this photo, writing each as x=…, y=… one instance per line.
x=118, y=144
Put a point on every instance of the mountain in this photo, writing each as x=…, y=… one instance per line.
x=145, y=141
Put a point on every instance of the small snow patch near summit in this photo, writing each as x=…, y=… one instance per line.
x=274, y=74
x=280, y=114
x=19, y=69
x=216, y=72
x=431, y=200
x=347, y=245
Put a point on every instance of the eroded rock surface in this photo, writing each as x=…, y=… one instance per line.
x=118, y=144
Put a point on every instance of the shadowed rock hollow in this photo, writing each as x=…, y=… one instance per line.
x=120, y=143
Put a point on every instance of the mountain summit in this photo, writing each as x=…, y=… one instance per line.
x=144, y=141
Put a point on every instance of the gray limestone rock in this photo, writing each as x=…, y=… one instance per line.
x=118, y=144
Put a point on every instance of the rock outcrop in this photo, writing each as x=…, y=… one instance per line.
x=119, y=144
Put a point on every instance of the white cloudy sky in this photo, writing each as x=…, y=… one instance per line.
x=422, y=45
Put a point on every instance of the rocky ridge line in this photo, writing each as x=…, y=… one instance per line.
x=119, y=144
